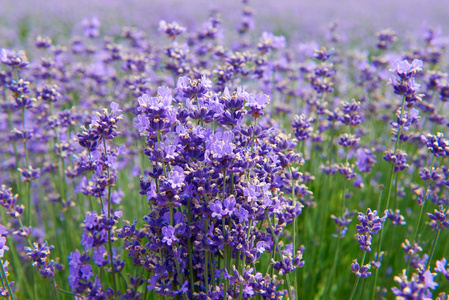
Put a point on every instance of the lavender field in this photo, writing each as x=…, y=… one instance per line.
x=201, y=149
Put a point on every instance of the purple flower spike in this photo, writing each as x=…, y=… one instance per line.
x=3, y=246
x=172, y=29
x=404, y=69
x=428, y=280
x=377, y=260
x=169, y=235
x=217, y=209
x=360, y=271
x=405, y=85
x=436, y=144
x=440, y=218
x=396, y=217
x=14, y=59
x=256, y=104
x=365, y=242
x=261, y=246
x=251, y=193
x=441, y=267
x=114, y=107
x=242, y=214
x=8, y=200
x=177, y=178
x=229, y=205
x=270, y=41
x=91, y=27
x=342, y=223
x=371, y=223
x=365, y=159
x=415, y=288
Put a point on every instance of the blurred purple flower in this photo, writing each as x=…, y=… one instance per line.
x=172, y=29
x=441, y=267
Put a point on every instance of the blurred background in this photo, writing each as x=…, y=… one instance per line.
x=22, y=20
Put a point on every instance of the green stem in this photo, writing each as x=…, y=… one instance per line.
x=55, y=295
x=63, y=291
x=62, y=174
x=254, y=136
x=337, y=255
x=206, y=259
x=390, y=185
x=189, y=248
x=373, y=295
x=269, y=262
x=199, y=110
x=178, y=270
x=225, y=250
x=334, y=267
x=159, y=138
x=423, y=205
x=111, y=258
x=17, y=266
x=396, y=148
x=6, y=280
x=289, y=289
x=212, y=270
x=3, y=283
x=27, y=166
x=354, y=289
x=330, y=146
x=435, y=242
x=295, y=274
x=146, y=290
x=242, y=272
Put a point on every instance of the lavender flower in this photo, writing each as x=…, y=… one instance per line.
x=371, y=223
x=414, y=288
x=406, y=85
x=39, y=255
x=172, y=29
x=404, y=69
x=396, y=217
x=29, y=174
x=14, y=59
x=256, y=104
x=377, y=259
x=8, y=200
x=105, y=126
x=302, y=127
x=365, y=242
x=5, y=290
x=436, y=144
x=91, y=27
x=169, y=235
x=365, y=159
x=361, y=271
x=342, y=223
x=269, y=41
x=49, y=93
x=440, y=218
x=399, y=160
x=191, y=88
x=387, y=37
x=3, y=247
x=177, y=177
x=219, y=184
x=441, y=268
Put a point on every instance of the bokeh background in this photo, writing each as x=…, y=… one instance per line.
x=22, y=20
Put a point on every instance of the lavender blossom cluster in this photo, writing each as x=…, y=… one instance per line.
x=180, y=166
